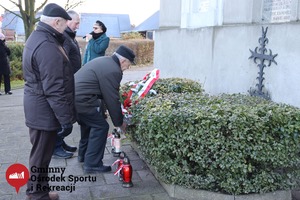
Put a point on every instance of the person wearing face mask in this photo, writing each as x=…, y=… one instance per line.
x=4, y=65
x=48, y=95
x=97, y=42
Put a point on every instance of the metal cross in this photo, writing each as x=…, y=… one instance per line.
x=262, y=56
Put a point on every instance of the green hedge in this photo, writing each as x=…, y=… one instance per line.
x=234, y=144
x=16, y=60
x=143, y=49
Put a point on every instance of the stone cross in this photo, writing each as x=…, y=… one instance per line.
x=260, y=53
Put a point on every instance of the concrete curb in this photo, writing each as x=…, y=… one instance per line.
x=180, y=192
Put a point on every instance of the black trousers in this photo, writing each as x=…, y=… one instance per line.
x=94, y=129
x=43, y=143
x=6, y=82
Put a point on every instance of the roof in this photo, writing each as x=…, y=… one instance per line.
x=115, y=23
x=10, y=21
x=152, y=23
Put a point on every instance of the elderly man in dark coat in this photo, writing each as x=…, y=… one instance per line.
x=96, y=82
x=48, y=95
x=4, y=65
x=62, y=149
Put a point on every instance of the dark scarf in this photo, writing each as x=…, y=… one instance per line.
x=71, y=33
x=60, y=38
x=96, y=35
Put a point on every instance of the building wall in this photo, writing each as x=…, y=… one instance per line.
x=217, y=55
x=171, y=15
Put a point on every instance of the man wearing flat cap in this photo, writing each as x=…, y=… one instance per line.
x=48, y=95
x=97, y=82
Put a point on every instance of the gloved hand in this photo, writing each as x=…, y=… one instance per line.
x=65, y=130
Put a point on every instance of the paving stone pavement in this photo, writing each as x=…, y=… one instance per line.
x=15, y=148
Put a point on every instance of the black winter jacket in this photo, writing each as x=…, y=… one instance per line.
x=49, y=86
x=4, y=62
x=72, y=49
x=99, y=80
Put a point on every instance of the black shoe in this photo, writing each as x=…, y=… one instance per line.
x=0, y=93
x=80, y=159
x=69, y=148
x=93, y=170
x=61, y=153
x=9, y=92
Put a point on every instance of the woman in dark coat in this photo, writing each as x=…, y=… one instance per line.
x=4, y=65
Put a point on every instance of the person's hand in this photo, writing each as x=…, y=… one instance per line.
x=88, y=37
x=123, y=127
x=65, y=130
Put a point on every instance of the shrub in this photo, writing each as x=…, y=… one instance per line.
x=166, y=86
x=177, y=85
x=132, y=35
x=16, y=60
x=169, y=85
x=143, y=49
x=234, y=144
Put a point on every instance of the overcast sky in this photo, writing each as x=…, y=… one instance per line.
x=138, y=10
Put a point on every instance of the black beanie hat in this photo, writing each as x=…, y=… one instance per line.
x=54, y=10
x=126, y=53
x=102, y=25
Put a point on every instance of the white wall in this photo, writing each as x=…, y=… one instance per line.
x=171, y=15
x=217, y=56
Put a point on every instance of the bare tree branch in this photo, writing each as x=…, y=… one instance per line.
x=9, y=22
x=41, y=6
x=13, y=2
x=6, y=9
x=70, y=5
x=28, y=12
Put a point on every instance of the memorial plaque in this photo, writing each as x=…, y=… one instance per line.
x=276, y=11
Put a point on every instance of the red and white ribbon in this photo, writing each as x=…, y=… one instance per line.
x=140, y=89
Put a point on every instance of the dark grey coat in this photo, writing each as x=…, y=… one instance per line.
x=99, y=80
x=4, y=62
x=49, y=86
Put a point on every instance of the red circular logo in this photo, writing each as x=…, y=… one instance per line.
x=17, y=175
